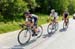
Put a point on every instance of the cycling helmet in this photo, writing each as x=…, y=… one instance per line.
x=26, y=12
x=53, y=10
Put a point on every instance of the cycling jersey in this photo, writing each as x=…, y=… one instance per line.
x=33, y=18
x=66, y=14
x=55, y=15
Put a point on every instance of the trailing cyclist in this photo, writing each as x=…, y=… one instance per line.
x=66, y=17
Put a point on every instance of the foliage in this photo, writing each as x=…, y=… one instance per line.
x=10, y=9
x=58, y=5
x=71, y=6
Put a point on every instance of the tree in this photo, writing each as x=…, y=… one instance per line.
x=58, y=5
x=11, y=9
x=71, y=6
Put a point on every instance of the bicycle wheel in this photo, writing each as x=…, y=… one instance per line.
x=49, y=28
x=56, y=26
x=65, y=26
x=40, y=31
x=24, y=37
x=52, y=28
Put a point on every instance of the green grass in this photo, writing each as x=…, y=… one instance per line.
x=8, y=27
x=42, y=19
x=4, y=28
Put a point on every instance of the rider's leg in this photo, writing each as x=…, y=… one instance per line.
x=55, y=20
x=65, y=20
x=51, y=21
x=34, y=30
x=33, y=34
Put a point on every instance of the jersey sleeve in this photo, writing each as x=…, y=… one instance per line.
x=34, y=15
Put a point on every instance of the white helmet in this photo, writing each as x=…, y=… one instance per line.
x=53, y=10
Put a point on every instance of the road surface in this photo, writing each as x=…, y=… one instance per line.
x=62, y=39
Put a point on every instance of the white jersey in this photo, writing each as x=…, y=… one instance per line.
x=54, y=15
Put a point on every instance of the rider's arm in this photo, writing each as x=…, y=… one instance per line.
x=49, y=17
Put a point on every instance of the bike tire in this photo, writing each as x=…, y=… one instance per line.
x=25, y=41
x=57, y=26
x=65, y=26
x=49, y=28
x=40, y=34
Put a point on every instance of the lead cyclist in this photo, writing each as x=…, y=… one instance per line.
x=31, y=20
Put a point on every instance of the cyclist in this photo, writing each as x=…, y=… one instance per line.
x=31, y=20
x=65, y=16
x=74, y=16
x=54, y=15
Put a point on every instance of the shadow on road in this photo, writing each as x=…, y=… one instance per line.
x=17, y=47
x=63, y=30
x=31, y=41
x=48, y=35
x=23, y=46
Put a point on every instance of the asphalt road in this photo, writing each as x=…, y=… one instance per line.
x=62, y=39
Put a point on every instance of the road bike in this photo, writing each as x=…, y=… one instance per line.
x=26, y=32
x=52, y=27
